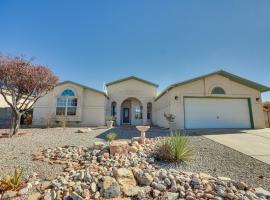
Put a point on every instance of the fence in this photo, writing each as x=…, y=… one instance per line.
x=267, y=118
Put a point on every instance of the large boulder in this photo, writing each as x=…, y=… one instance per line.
x=124, y=176
x=110, y=188
x=126, y=181
x=119, y=147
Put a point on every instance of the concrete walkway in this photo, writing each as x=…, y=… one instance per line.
x=255, y=143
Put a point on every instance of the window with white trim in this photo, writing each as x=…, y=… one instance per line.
x=66, y=104
x=138, y=112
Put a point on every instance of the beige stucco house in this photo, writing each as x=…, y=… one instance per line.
x=216, y=100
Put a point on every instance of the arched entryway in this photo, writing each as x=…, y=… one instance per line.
x=131, y=112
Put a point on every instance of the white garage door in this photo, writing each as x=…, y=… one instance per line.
x=216, y=113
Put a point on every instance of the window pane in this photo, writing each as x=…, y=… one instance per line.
x=61, y=102
x=72, y=102
x=68, y=92
x=71, y=111
x=138, y=113
x=60, y=111
x=218, y=90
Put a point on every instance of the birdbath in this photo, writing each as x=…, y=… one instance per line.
x=143, y=129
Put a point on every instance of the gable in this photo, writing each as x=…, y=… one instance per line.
x=131, y=78
x=219, y=77
x=77, y=85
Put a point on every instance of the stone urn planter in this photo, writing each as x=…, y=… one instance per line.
x=142, y=129
x=172, y=126
x=109, y=124
x=110, y=121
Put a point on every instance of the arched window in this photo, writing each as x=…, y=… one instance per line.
x=68, y=92
x=113, y=109
x=67, y=103
x=149, y=111
x=218, y=90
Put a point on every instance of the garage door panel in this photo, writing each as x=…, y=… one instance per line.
x=216, y=113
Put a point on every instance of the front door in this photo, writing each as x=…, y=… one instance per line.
x=126, y=116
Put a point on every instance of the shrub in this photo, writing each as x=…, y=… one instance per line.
x=175, y=148
x=110, y=118
x=111, y=136
x=13, y=182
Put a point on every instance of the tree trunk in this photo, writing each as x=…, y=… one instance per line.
x=16, y=123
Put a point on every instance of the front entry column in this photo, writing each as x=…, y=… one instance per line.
x=144, y=113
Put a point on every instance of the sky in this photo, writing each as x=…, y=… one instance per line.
x=98, y=41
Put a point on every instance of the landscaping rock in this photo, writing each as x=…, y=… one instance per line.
x=126, y=181
x=133, y=149
x=241, y=185
x=260, y=192
x=23, y=191
x=34, y=196
x=83, y=130
x=96, y=174
x=9, y=194
x=110, y=188
x=98, y=145
x=119, y=147
x=170, y=196
x=143, y=179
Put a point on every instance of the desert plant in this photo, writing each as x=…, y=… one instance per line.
x=169, y=117
x=13, y=182
x=174, y=148
x=110, y=118
x=111, y=136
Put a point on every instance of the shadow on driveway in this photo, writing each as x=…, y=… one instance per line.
x=130, y=132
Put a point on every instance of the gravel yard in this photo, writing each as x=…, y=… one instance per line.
x=210, y=157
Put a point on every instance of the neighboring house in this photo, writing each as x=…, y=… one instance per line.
x=216, y=100
x=5, y=113
x=266, y=106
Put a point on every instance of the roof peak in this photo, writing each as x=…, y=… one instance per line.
x=131, y=77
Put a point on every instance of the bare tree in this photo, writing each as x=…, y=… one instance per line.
x=22, y=83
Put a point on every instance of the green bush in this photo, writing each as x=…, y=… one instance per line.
x=110, y=118
x=174, y=148
x=111, y=136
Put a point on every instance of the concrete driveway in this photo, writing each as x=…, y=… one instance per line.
x=255, y=143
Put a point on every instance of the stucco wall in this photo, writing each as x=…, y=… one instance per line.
x=202, y=88
x=90, y=108
x=132, y=88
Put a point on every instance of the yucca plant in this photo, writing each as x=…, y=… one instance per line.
x=13, y=182
x=174, y=148
x=111, y=136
